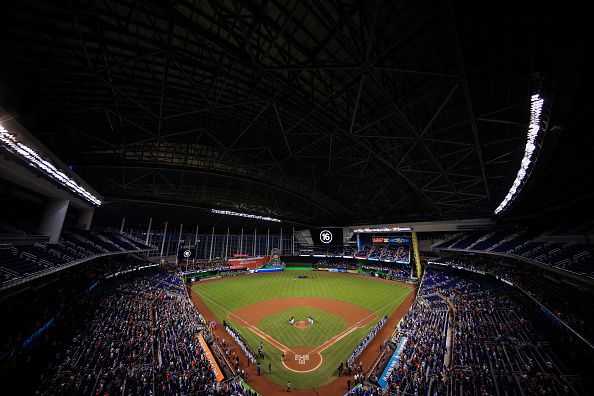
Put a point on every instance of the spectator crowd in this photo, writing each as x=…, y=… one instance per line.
x=496, y=343
x=465, y=334
x=142, y=340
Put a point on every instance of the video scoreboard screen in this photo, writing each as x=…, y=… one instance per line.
x=186, y=253
x=391, y=240
x=326, y=236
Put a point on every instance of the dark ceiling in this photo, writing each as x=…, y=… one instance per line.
x=317, y=112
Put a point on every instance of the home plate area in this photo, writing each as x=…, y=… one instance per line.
x=302, y=359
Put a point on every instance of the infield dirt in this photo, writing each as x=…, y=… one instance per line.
x=302, y=358
x=338, y=386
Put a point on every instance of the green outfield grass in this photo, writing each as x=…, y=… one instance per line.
x=325, y=326
x=227, y=295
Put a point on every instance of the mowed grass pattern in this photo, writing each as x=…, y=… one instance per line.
x=227, y=295
x=325, y=326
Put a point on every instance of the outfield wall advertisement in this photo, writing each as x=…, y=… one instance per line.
x=253, y=262
x=354, y=257
x=211, y=360
x=336, y=270
x=392, y=364
x=391, y=240
x=278, y=269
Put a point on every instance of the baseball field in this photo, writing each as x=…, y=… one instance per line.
x=332, y=313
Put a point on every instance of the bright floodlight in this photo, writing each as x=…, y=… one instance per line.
x=35, y=160
x=534, y=129
x=249, y=216
x=383, y=229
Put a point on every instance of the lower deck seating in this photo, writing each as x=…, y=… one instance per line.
x=142, y=339
x=500, y=343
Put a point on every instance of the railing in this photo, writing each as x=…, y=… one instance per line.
x=448, y=239
x=21, y=280
x=481, y=239
x=28, y=256
x=566, y=272
x=45, y=262
x=22, y=240
x=138, y=240
x=512, y=284
x=504, y=240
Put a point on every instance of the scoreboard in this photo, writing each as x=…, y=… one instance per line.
x=326, y=236
x=391, y=240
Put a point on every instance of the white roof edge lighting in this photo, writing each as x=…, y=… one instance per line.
x=534, y=130
x=36, y=160
x=246, y=215
x=384, y=229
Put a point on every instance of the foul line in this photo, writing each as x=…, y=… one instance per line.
x=333, y=340
x=319, y=349
x=255, y=330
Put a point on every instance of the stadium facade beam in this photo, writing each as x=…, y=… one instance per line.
x=148, y=231
x=470, y=108
x=163, y=241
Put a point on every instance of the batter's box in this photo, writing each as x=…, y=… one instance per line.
x=302, y=358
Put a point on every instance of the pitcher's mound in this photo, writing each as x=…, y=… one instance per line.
x=301, y=324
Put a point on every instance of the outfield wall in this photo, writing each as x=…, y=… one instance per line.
x=276, y=269
x=254, y=262
x=291, y=261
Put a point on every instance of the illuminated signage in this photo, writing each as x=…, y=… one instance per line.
x=246, y=215
x=396, y=240
x=384, y=229
x=325, y=236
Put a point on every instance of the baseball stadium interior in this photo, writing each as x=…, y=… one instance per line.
x=262, y=197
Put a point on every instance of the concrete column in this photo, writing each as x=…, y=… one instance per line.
x=53, y=218
x=181, y=227
x=241, y=242
x=254, y=248
x=85, y=217
x=148, y=231
x=211, y=244
x=163, y=240
x=122, y=226
x=227, y=245
x=168, y=245
x=150, y=243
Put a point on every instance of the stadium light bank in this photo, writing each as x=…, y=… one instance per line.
x=534, y=131
x=246, y=215
x=384, y=229
x=35, y=160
